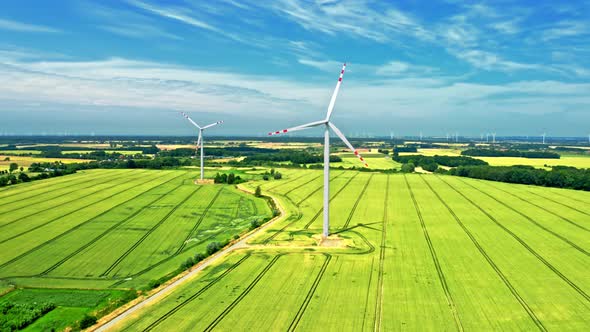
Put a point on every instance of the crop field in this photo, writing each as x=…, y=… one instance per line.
x=578, y=161
x=407, y=252
x=27, y=161
x=374, y=160
x=114, y=229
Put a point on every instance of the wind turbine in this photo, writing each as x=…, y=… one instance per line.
x=200, y=140
x=494, y=138
x=327, y=126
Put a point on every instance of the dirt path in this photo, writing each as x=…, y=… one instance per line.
x=117, y=317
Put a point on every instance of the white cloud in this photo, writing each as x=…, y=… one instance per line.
x=6, y=24
x=120, y=83
x=566, y=29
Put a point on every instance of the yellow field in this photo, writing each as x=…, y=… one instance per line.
x=27, y=161
x=434, y=152
x=375, y=161
x=574, y=161
x=19, y=152
x=107, y=151
x=283, y=145
x=225, y=160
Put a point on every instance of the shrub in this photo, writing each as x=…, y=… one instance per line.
x=87, y=321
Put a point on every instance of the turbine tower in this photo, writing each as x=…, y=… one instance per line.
x=200, y=140
x=327, y=126
x=494, y=138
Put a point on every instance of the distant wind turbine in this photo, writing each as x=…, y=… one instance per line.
x=327, y=126
x=200, y=140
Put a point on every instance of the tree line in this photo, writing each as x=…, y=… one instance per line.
x=558, y=176
x=431, y=163
x=510, y=153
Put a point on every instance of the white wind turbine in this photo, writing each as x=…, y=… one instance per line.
x=200, y=140
x=327, y=126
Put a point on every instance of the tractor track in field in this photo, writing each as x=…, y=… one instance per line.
x=356, y=203
x=197, y=294
x=60, y=194
x=286, y=182
x=441, y=276
x=41, y=183
x=198, y=223
x=146, y=234
x=75, y=227
x=181, y=248
x=525, y=245
x=316, y=190
x=110, y=229
x=492, y=264
x=379, y=297
x=242, y=295
x=560, y=203
x=62, y=204
x=301, y=185
x=542, y=208
x=315, y=216
x=570, y=198
x=271, y=237
x=562, y=238
x=78, y=180
x=310, y=294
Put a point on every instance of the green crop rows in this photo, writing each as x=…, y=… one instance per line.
x=114, y=228
x=413, y=252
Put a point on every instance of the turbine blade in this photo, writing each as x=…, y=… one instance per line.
x=191, y=120
x=305, y=126
x=199, y=141
x=343, y=138
x=213, y=124
x=335, y=94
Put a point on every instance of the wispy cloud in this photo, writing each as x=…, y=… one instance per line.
x=358, y=19
x=568, y=28
x=124, y=22
x=6, y=24
x=178, y=14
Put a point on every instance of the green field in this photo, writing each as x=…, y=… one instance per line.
x=409, y=252
x=114, y=229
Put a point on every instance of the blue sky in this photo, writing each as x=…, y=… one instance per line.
x=129, y=66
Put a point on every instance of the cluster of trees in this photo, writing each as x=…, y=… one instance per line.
x=559, y=176
x=509, y=153
x=397, y=149
x=431, y=163
x=16, y=316
x=274, y=174
x=295, y=157
x=230, y=178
